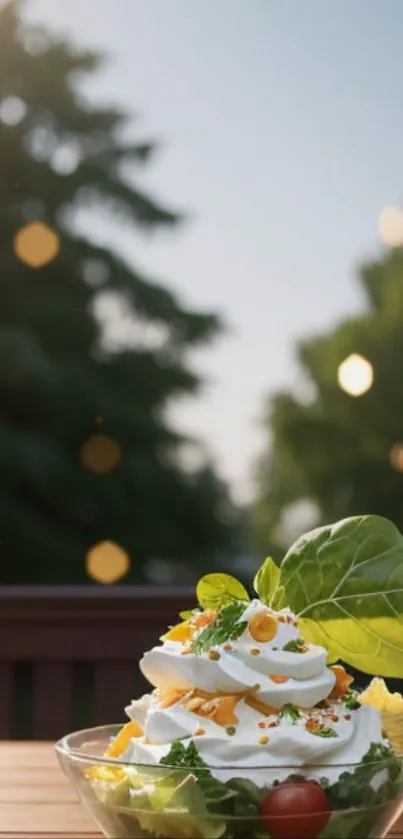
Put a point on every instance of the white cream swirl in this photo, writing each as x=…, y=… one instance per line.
x=261, y=736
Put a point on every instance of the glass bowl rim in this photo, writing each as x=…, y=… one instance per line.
x=64, y=749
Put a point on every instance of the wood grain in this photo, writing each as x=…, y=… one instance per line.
x=38, y=802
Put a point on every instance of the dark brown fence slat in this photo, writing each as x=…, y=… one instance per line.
x=6, y=699
x=79, y=643
x=59, y=629
x=113, y=690
x=53, y=700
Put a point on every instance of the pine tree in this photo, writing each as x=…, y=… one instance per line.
x=343, y=453
x=61, y=384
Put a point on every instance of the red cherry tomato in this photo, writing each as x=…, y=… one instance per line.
x=298, y=810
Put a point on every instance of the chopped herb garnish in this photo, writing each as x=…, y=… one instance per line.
x=352, y=701
x=291, y=711
x=239, y=629
x=297, y=645
x=320, y=730
x=224, y=627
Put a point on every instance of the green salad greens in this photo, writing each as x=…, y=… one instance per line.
x=181, y=798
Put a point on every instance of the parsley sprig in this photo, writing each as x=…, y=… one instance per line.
x=290, y=711
x=225, y=627
x=297, y=645
x=352, y=701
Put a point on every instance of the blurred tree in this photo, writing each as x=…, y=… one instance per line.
x=342, y=453
x=63, y=376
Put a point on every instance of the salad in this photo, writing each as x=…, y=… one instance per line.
x=252, y=727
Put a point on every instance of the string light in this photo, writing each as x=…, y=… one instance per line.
x=355, y=375
x=107, y=562
x=36, y=244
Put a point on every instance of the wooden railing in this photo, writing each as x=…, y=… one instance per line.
x=69, y=655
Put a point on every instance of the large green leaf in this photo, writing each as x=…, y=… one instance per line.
x=216, y=591
x=345, y=583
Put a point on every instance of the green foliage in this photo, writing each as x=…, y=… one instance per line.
x=297, y=645
x=266, y=580
x=226, y=626
x=238, y=797
x=215, y=591
x=354, y=789
x=345, y=583
x=335, y=450
x=290, y=711
x=56, y=374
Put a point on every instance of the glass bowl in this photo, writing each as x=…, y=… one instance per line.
x=138, y=801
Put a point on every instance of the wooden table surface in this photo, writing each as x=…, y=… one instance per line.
x=38, y=802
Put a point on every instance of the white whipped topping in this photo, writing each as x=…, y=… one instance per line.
x=289, y=744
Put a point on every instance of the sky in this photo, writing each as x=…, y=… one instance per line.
x=280, y=124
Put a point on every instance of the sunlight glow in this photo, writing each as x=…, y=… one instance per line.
x=355, y=375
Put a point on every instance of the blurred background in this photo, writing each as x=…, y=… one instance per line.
x=201, y=283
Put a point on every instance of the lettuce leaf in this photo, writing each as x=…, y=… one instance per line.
x=345, y=583
x=238, y=797
x=179, y=813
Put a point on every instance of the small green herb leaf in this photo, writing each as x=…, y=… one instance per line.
x=224, y=627
x=323, y=731
x=266, y=581
x=297, y=645
x=188, y=613
x=352, y=701
x=291, y=711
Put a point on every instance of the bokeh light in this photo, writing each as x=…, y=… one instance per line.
x=65, y=159
x=12, y=110
x=95, y=272
x=107, y=562
x=355, y=375
x=101, y=454
x=390, y=225
x=36, y=244
x=396, y=457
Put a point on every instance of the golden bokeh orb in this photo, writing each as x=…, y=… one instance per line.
x=36, y=244
x=107, y=562
x=101, y=454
